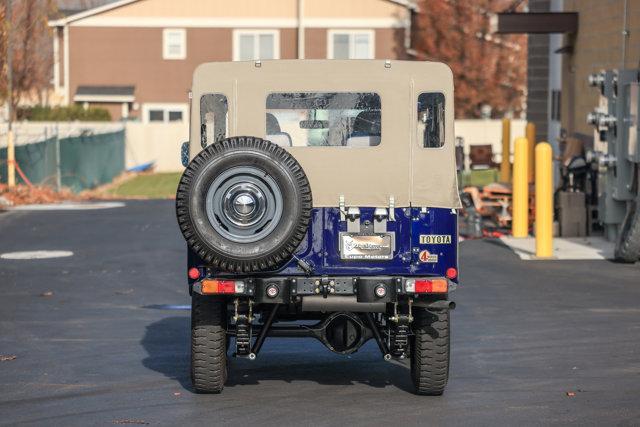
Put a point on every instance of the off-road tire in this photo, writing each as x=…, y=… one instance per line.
x=430, y=351
x=217, y=250
x=628, y=242
x=208, y=344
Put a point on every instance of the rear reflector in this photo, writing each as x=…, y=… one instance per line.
x=451, y=273
x=427, y=286
x=218, y=287
x=194, y=273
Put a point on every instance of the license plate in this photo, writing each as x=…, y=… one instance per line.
x=377, y=246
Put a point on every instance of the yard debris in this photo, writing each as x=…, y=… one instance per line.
x=128, y=421
x=7, y=357
x=47, y=294
x=25, y=195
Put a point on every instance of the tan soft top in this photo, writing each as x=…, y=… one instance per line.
x=399, y=167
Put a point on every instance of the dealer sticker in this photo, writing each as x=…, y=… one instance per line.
x=435, y=239
x=425, y=256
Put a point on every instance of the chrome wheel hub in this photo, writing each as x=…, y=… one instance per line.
x=244, y=204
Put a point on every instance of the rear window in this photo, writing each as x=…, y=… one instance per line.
x=323, y=119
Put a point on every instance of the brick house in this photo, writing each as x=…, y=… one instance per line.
x=136, y=57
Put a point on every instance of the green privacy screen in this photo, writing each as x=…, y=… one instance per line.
x=86, y=161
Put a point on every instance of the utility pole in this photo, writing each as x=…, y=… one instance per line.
x=11, y=154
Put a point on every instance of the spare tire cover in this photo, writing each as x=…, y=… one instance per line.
x=243, y=205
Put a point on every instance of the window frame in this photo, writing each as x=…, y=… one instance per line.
x=256, y=33
x=166, y=54
x=351, y=33
x=166, y=108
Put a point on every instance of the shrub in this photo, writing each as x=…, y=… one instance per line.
x=64, y=114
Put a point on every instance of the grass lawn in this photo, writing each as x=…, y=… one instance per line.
x=153, y=186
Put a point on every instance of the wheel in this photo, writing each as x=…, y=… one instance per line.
x=244, y=204
x=208, y=344
x=628, y=242
x=430, y=351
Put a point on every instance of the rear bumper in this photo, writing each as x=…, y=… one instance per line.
x=361, y=290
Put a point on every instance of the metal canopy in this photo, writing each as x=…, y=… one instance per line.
x=535, y=23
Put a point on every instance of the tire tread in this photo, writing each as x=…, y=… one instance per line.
x=430, y=354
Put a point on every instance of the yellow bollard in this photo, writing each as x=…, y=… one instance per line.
x=544, y=201
x=505, y=165
x=11, y=160
x=531, y=137
x=520, y=214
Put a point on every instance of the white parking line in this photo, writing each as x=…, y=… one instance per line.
x=36, y=254
x=69, y=206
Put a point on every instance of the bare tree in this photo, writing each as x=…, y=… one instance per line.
x=488, y=68
x=31, y=47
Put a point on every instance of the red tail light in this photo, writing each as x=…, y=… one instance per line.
x=211, y=286
x=427, y=286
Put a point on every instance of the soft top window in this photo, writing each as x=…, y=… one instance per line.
x=335, y=119
x=431, y=119
x=213, y=118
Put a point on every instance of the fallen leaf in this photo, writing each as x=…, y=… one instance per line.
x=47, y=294
x=6, y=358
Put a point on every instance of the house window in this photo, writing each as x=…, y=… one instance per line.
x=164, y=113
x=174, y=44
x=250, y=45
x=351, y=44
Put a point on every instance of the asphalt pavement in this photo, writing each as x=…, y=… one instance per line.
x=102, y=338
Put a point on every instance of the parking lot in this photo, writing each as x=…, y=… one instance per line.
x=102, y=337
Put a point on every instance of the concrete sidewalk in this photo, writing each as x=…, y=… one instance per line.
x=567, y=248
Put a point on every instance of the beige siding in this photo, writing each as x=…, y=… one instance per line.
x=208, y=8
x=597, y=46
x=354, y=8
x=260, y=9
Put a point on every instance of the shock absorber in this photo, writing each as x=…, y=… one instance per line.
x=243, y=316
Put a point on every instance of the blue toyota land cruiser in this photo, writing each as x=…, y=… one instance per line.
x=324, y=192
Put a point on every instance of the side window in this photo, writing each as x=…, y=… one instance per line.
x=431, y=119
x=213, y=118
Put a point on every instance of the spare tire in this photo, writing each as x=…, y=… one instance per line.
x=243, y=205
